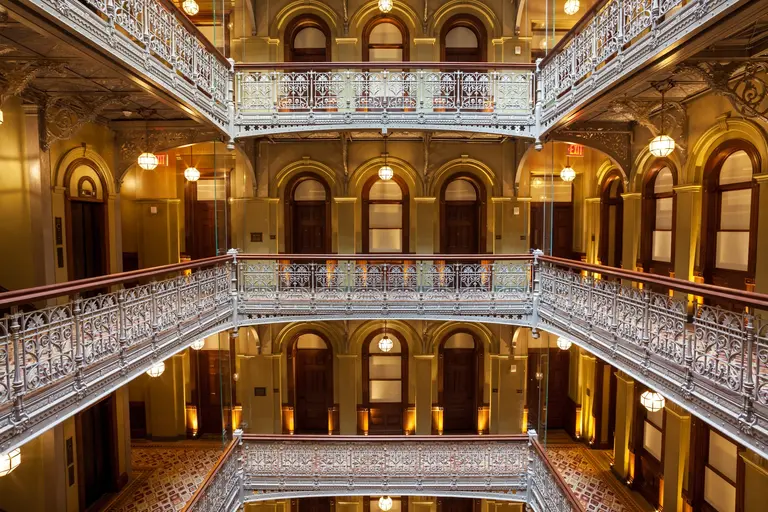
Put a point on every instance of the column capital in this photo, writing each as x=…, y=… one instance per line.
x=623, y=377
x=632, y=195
x=345, y=199
x=346, y=356
x=687, y=188
x=501, y=199
x=424, y=357
x=676, y=411
x=760, y=178
x=426, y=200
x=592, y=200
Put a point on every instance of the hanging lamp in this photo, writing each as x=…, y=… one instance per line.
x=386, y=5
x=568, y=174
x=662, y=145
x=191, y=173
x=9, y=461
x=386, y=343
x=198, y=345
x=385, y=171
x=564, y=343
x=190, y=7
x=156, y=369
x=571, y=7
x=652, y=401
x=147, y=160
x=385, y=503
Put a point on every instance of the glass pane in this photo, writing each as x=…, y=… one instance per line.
x=662, y=246
x=386, y=190
x=309, y=190
x=663, y=182
x=657, y=418
x=309, y=37
x=664, y=213
x=460, y=340
x=385, y=33
x=212, y=190
x=386, y=391
x=461, y=37
x=737, y=168
x=385, y=215
x=373, y=348
x=732, y=250
x=385, y=240
x=722, y=455
x=735, y=209
x=385, y=55
x=460, y=190
x=384, y=367
x=652, y=440
x=719, y=493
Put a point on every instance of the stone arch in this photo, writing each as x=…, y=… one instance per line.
x=725, y=130
x=607, y=169
x=329, y=330
x=473, y=7
x=85, y=153
x=644, y=162
x=299, y=8
x=400, y=10
x=370, y=167
x=284, y=175
x=481, y=331
x=412, y=337
x=469, y=165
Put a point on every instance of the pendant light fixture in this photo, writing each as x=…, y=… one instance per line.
x=386, y=5
x=386, y=343
x=564, y=343
x=147, y=160
x=662, y=145
x=191, y=172
x=652, y=401
x=537, y=182
x=568, y=174
x=156, y=369
x=571, y=7
x=197, y=345
x=190, y=7
x=385, y=171
x=9, y=461
x=385, y=503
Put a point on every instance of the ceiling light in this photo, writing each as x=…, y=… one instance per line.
x=564, y=343
x=385, y=502
x=571, y=7
x=386, y=343
x=661, y=146
x=191, y=8
x=197, y=345
x=652, y=401
x=156, y=369
x=1, y=116
x=385, y=5
x=192, y=174
x=148, y=161
x=537, y=182
x=567, y=174
x=9, y=461
x=386, y=173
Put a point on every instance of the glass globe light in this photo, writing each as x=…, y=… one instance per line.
x=564, y=343
x=386, y=343
x=571, y=7
x=147, y=161
x=235, y=376
x=385, y=503
x=568, y=174
x=652, y=401
x=385, y=5
x=386, y=173
x=190, y=7
x=661, y=146
x=192, y=174
x=537, y=182
x=156, y=369
x=197, y=345
x=9, y=461
x=1, y=117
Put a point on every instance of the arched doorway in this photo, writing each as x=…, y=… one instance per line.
x=385, y=382
x=463, y=38
x=308, y=215
x=385, y=216
x=462, y=216
x=310, y=381
x=308, y=39
x=551, y=222
x=729, y=215
x=611, y=219
x=460, y=375
x=658, y=220
x=385, y=39
x=86, y=193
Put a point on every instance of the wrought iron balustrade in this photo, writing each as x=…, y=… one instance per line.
x=301, y=96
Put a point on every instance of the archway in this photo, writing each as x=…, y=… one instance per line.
x=307, y=39
x=310, y=382
x=385, y=219
x=462, y=216
x=307, y=215
x=460, y=371
x=657, y=246
x=611, y=219
x=463, y=38
x=385, y=39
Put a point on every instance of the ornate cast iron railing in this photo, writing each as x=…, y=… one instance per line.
x=547, y=489
x=490, y=97
x=221, y=491
x=703, y=347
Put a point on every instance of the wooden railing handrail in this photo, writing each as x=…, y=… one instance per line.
x=453, y=66
x=211, y=474
x=387, y=257
x=575, y=503
x=377, y=439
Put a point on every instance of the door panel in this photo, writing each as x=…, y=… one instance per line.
x=550, y=397
x=309, y=228
x=558, y=222
x=97, y=453
x=386, y=419
x=459, y=390
x=213, y=388
x=461, y=228
x=314, y=386
x=455, y=505
x=318, y=504
x=88, y=241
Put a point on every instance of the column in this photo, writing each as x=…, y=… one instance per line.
x=259, y=235
x=427, y=224
x=256, y=393
x=625, y=392
x=592, y=227
x=508, y=415
x=755, y=480
x=167, y=409
x=345, y=213
x=423, y=393
x=677, y=435
x=517, y=217
x=687, y=228
x=761, y=271
x=158, y=236
x=347, y=394
x=633, y=203
x=500, y=232
x=587, y=395
x=277, y=403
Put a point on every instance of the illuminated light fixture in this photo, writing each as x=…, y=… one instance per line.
x=148, y=161
x=386, y=343
x=385, y=503
x=539, y=375
x=568, y=174
x=385, y=6
x=571, y=7
x=1, y=116
x=191, y=8
x=662, y=145
x=385, y=171
x=652, y=401
x=537, y=182
x=156, y=369
x=10, y=461
x=191, y=173
x=197, y=345
x=235, y=376
x=564, y=343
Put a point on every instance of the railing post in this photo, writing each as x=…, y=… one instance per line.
x=155, y=314
x=537, y=253
x=123, y=335
x=747, y=417
x=645, y=339
x=539, y=98
x=529, y=497
x=240, y=473
x=79, y=348
x=233, y=286
x=18, y=370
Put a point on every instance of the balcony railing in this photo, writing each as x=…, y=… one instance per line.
x=273, y=98
x=703, y=347
x=510, y=468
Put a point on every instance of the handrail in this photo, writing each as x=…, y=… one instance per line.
x=369, y=439
x=387, y=257
x=574, y=501
x=211, y=475
x=575, y=30
x=304, y=66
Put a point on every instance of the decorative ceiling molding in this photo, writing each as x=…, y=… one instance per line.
x=63, y=116
x=16, y=78
x=615, y=143
x=642, y=112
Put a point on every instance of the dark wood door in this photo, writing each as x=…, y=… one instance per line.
x=309, y=228
x=460, y=233
x=385, y=419
x=214, y=383
x=547, y=398
x=97, y=453
x=317, y=504
x=459, y=391
x=557, y=395
x=611, y=231
x=206, y=221
x=445, y=504
x=552, y=228
x=314, y=390
x=88, y=241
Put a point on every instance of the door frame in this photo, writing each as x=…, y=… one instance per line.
x=480, y=204
x=605, y=212
x=479, y=375
x=291, y=351
x=404, y=356
x=190, y=199
x=80, y=456
x=288, y=216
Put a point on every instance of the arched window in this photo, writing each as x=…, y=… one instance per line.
x=385, y=39
x=463, y=38
x=460, y=375
x=611, y=220
x=385, y=383
x=310, y=381
x=307, y=39
x=730, y=215
x=658, y=220
x=385, y=216
x=462, y=212
x=307, y=215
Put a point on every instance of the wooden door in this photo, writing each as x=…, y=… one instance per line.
x=555, y=232
x=214, y=384
x=97, y=452
x=309, y=228
x=459, y=390
x=547, y=398
x=87, y=239
x=460, y=232
x=611, y=231
x=206, y=218
x=316, y=504
x=445, y=504
x=314, y=390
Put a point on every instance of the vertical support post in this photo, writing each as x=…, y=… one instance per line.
x=233, y=287
x=18, y=370
x=539, y=98
x=123, y=335
x=746, y=418
x=79, y=349
x=536, y=266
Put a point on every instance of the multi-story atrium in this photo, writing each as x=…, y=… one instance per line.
x=384, y=255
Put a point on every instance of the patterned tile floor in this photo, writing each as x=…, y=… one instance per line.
x=589, y=475
x=165, y=475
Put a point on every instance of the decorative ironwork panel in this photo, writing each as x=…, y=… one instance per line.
x=46, y=339
x=719, y=352
x=221, y=491
x=99, y=327
x=546, y=492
